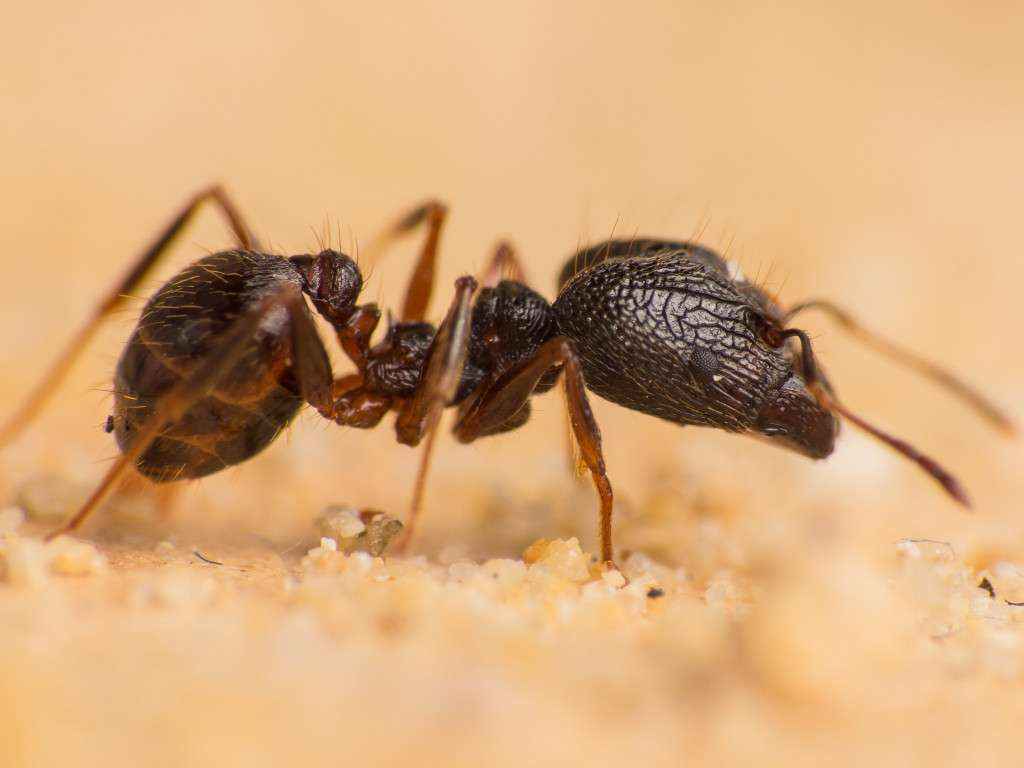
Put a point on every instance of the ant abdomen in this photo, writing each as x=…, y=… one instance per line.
x=227, y=352
x=248, y=406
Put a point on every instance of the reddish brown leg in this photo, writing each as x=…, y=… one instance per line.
x=115, y=298
x=355, y=335
x=498, y=403
x=981, y=404
x=421, y=284
x=361, y=408
x=165, y=497
x=421, y=414
x=162, y=497
x=345, y=384
x=309, y=358
x=355, y=406
x=417, y=296
x=444, y=368
x=827, y=399
x=504, y=265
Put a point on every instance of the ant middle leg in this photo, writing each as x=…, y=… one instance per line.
x=433, y=213
x=420, y=416
x=499, y=405
x=356, y=333
x=115, y=298
x=160, y=498
x=503, y=265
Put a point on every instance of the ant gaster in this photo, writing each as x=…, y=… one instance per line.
x=226, y=353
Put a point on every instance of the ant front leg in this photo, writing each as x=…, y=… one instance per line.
x=420, y=415
x=981, y=404
x=421, y=285
x=498, y=404
x=355, y=334
x=356, y=405
x=115, y=297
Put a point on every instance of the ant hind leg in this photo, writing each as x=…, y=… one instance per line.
x=504, y=399
x=310, y=361
x=115, y=297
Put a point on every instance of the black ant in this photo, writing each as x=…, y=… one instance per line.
x=226, y=353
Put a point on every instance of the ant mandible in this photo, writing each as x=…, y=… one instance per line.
x=226, y=353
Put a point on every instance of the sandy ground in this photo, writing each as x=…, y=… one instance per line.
x=868, y=154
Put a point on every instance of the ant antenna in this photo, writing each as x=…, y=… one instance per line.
x=826, y=397
x=968, y=394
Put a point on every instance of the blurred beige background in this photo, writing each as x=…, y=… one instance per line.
x=865, y=152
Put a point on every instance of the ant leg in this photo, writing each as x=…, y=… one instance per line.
x=505, y=398
x=115, y=298
x=356, y=333
x=346, y=384
x=232, y=346
x=309, y=358
x=163, y=497
x=825, y=396
x=361, y=408
x=421, y=414
x=504, y=265
x=355, y=406
x=421, y=284
x=981, y=404
x=443, y=370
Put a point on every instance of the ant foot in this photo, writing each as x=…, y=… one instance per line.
x=610, y=572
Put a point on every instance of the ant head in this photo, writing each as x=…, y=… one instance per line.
x=792, y=414
x=332, y=280
x=793, y=418
x=815, y=386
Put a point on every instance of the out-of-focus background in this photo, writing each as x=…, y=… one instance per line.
x=867, y=153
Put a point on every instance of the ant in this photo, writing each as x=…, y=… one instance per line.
x=226, y=353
